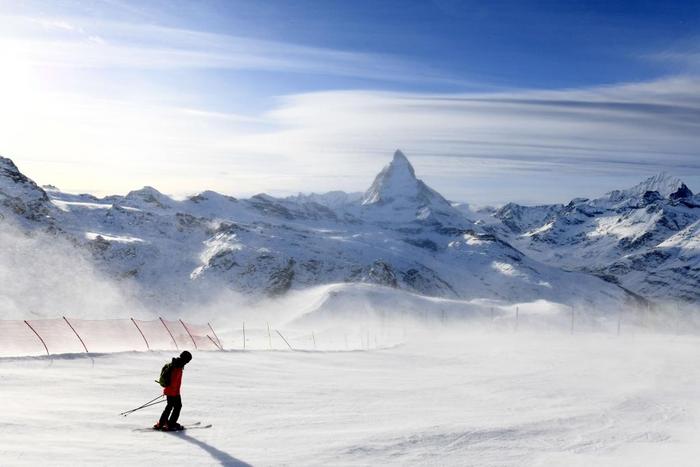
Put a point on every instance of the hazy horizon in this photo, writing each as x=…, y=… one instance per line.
x=184, y=194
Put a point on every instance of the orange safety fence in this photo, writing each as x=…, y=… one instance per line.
x=70, y=335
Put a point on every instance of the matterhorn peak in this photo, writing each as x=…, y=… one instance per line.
x=400, y=162
x=396, y=180
x=398, y=196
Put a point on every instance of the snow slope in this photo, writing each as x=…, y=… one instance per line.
x=457, y=398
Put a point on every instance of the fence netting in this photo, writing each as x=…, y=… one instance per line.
x=203, y=336
x=109, y=335
x=16, y=338
x=70, y=335
x=57, y=335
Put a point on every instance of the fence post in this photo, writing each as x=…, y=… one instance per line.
x=171, y=334
x=217, y=337
x=313, y=336
x=214, y=342
x=269, y=336
x=285, y=340
x=188, y=332
x=619, y=321
x=243, y=335
x=141, y=332
x=76, y=334
x=572, y=320
x=37, y=335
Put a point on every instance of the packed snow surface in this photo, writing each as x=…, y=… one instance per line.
x=493, y=398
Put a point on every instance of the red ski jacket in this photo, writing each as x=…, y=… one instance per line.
x=173, y=389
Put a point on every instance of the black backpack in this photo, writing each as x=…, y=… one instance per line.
x=164, y=379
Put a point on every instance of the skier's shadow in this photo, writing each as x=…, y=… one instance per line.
x=221, y=456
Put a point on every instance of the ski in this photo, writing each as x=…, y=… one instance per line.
x=190, y=426
x=193, y=427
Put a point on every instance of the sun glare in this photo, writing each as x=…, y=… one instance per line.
x=20, y=83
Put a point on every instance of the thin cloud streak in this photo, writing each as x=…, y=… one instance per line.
x=630, y=128
x=78, y=44
x=684, y=55
x=628, y=119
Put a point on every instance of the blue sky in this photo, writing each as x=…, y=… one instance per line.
x=492, y=101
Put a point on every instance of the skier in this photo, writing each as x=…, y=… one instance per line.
x=168, y=420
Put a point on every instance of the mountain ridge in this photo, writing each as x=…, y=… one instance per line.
x=400, y=234
x=627, y=235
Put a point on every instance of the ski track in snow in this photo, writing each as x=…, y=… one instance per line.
x=475, y=399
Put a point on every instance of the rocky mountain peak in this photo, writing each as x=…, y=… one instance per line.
x=14, y=183
x=146, y=191
x=8, y=170
x=149, y=195
x=682, y=192
x=397, y=196
x=396, y=181
x=7, y=163
x=20, y=194
x=213, y=196
x=663, y=183
x=400, y=163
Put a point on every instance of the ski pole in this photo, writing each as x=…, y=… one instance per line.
x=142, y=407
x=152, y=401
x=145, y=404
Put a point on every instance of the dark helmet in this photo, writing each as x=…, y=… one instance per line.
x=185, y=357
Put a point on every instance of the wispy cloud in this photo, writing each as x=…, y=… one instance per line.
x=76, y=43
x=625, y=129
x=682, y=57
x=626, y=121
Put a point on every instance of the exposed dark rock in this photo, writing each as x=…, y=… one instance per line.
x=382, y=273
x=682, y=193
x=281, y=280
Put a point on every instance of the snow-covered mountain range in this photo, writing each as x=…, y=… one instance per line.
x=645, y=238
x=400, y=233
